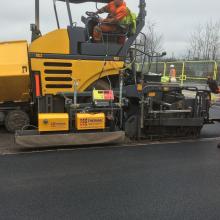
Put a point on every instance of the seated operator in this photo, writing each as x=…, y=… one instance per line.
x=117, y=11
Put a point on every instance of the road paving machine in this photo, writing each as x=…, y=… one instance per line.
x=65, y=89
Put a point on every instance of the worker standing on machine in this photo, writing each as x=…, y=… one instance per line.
x=117, y=11
x=172, y=74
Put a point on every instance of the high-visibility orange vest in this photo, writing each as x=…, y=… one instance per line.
x=117, y=12
x=173, y=73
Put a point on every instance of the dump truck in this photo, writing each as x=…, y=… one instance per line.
x=66, y=89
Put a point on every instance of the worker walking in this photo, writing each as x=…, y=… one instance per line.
x=117, y=11
x=172, y=74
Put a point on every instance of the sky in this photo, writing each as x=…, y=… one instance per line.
x=174, y=19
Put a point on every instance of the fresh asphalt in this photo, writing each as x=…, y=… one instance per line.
x=163, y=181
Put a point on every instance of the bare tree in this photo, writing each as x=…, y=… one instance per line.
x=204, y=42
x=152, y=41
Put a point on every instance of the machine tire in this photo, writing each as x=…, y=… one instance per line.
x=100, y=85
x=16, y=120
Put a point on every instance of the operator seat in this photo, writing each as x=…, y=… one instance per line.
x=81, y=40
x=119, y=36
x=116, y=37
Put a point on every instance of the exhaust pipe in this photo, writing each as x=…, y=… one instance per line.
x=37, y=14
x=35, y=28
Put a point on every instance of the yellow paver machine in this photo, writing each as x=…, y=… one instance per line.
x=66, y=89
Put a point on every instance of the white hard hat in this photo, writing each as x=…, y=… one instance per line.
x=172, y=66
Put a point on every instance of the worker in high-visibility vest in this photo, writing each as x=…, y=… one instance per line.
x=117, y=11
x=119, y=19
x=172, y=74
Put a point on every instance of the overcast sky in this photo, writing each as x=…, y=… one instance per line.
x=174, y=19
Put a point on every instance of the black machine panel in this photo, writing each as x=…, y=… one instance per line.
x=79, y=44
x=100, y=49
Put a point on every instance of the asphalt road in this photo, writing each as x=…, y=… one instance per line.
x=163, y=181
x=172, y=181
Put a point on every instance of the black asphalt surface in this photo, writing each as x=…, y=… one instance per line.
x=173, y=181
x=165, y=181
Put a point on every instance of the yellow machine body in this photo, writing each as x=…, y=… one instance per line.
x=60, y=79
x=90, y=121
x=49, y=122
x=55, y=42
x=14, y=72
x=58, y=75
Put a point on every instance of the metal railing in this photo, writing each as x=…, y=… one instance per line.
x=195, y=72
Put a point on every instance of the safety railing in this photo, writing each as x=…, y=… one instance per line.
x=187, y=71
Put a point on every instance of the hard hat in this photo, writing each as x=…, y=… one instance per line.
x=172, y=66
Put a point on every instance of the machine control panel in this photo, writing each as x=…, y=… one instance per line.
x=103, y=95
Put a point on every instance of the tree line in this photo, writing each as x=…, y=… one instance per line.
x=203, y=42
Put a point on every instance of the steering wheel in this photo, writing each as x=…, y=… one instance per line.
x=92, y=14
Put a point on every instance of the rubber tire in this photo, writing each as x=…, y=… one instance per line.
x=16, y=120
x=100, y=85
